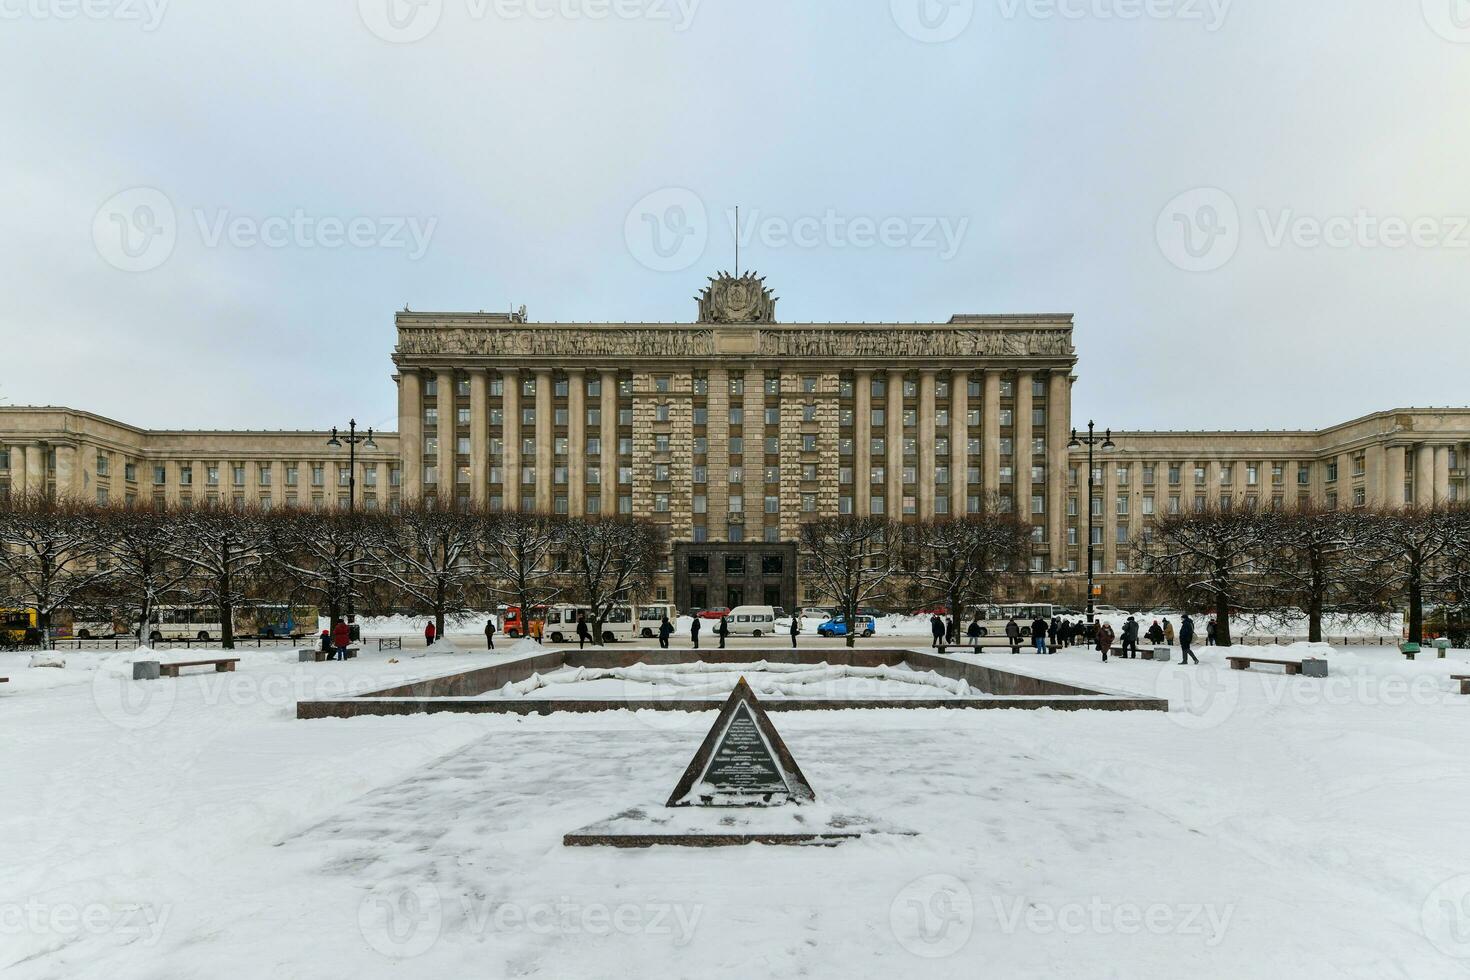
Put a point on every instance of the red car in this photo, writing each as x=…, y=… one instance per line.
x=934, y=611
x=713, y=613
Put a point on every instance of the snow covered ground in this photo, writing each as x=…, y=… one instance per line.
x=642, y=682
x=1268, y=825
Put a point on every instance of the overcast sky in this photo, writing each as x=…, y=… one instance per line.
x=1256, y=210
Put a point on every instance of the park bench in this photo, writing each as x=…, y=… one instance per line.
x=1464, y=680
x=322, y=656
x=1241, y=663
x=220, y=666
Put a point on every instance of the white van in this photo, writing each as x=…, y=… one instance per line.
x=754, y=620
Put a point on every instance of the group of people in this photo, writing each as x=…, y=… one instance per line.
x=1158, y=633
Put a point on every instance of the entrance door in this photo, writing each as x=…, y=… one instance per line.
x=734, y=597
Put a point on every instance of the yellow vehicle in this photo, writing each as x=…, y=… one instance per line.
x=14, y=623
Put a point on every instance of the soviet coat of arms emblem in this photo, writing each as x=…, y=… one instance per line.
x=737, y=299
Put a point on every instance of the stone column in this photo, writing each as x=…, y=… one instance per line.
x=1441, y=474
x=17, y=471
x=990, y=425
x=862, y=441
x=576, y=441
x=445, y=404
x=510, y=435
x=479, y=437
x=608, y=489
x=1423, y=476
x=717, y=430
x=1393, y=478
x=35, y=467
x=1023, y=454
x=66, y=471
x=1374, y=475
x=544, y=447
x=410, y=434
x=1058, y=432
x=1186, y=486
x=755, y=455
x=1212, y=484
x=1109, y=549
x=925, y=474
x=894, y=439
x=959, y=438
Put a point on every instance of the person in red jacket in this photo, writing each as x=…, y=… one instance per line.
x=341, y=638
x=429, y=633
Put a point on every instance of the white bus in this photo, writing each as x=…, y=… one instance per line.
x=561, y=623
x=185, y=623
x=993, y=619
x=651, y=616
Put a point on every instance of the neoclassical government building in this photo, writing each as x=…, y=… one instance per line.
x=735, y=428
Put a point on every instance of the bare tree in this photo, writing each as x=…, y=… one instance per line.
x=1205, y=559
x=50, y=553
x=224, y=548
x=141, y=544
x=429, y=553
x=849, y=559
x=960, y=560
x=515, y=550
x=610, y=561
x=1317, y=561
x=1416, y=550
x=327, y=555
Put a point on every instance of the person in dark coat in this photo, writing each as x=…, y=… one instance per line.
x=428, y=632
x=795, y=630
x=1210, y=632
x=1054, y=632
x=1186, y=637
x=973, y=632
x=327, y=646
x=490, y=633
x=583, y=633
x=1130, y=637
x=694, y=632
x=952, y=630
x=354, y=630
x=936, y=630
x=723, y=630
x=1038, y=634
x=1105, y=637
x=1013, y=633
x=341, y=639
x=665, y=630
x=1155, y=633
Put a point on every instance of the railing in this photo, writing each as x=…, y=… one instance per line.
x=132, y=642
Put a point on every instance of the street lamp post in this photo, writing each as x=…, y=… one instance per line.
x=351, y=439
x=1106, y=442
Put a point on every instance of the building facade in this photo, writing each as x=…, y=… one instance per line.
x=733, y=430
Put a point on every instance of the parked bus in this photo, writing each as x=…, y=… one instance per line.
x=993, y=619
x=185, y=623
x=98, y=624
x=561, y=623
x=14, y=623
x=274, y=619
x=650, y=617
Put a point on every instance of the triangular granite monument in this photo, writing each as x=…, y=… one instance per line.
x=743, y=761
x=742, y=787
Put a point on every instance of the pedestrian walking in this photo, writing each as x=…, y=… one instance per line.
x=974, y=633
x=583, y=633
x=694, y=632
x=723, y=630
x=1186, y=637
x=326, y=641
x=1105, y=637
x=795, y=630
x=429, y=633
x=1013, y=633
x=342, y=639
x=936, y=630
x=665, y=630
x=490, y=633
